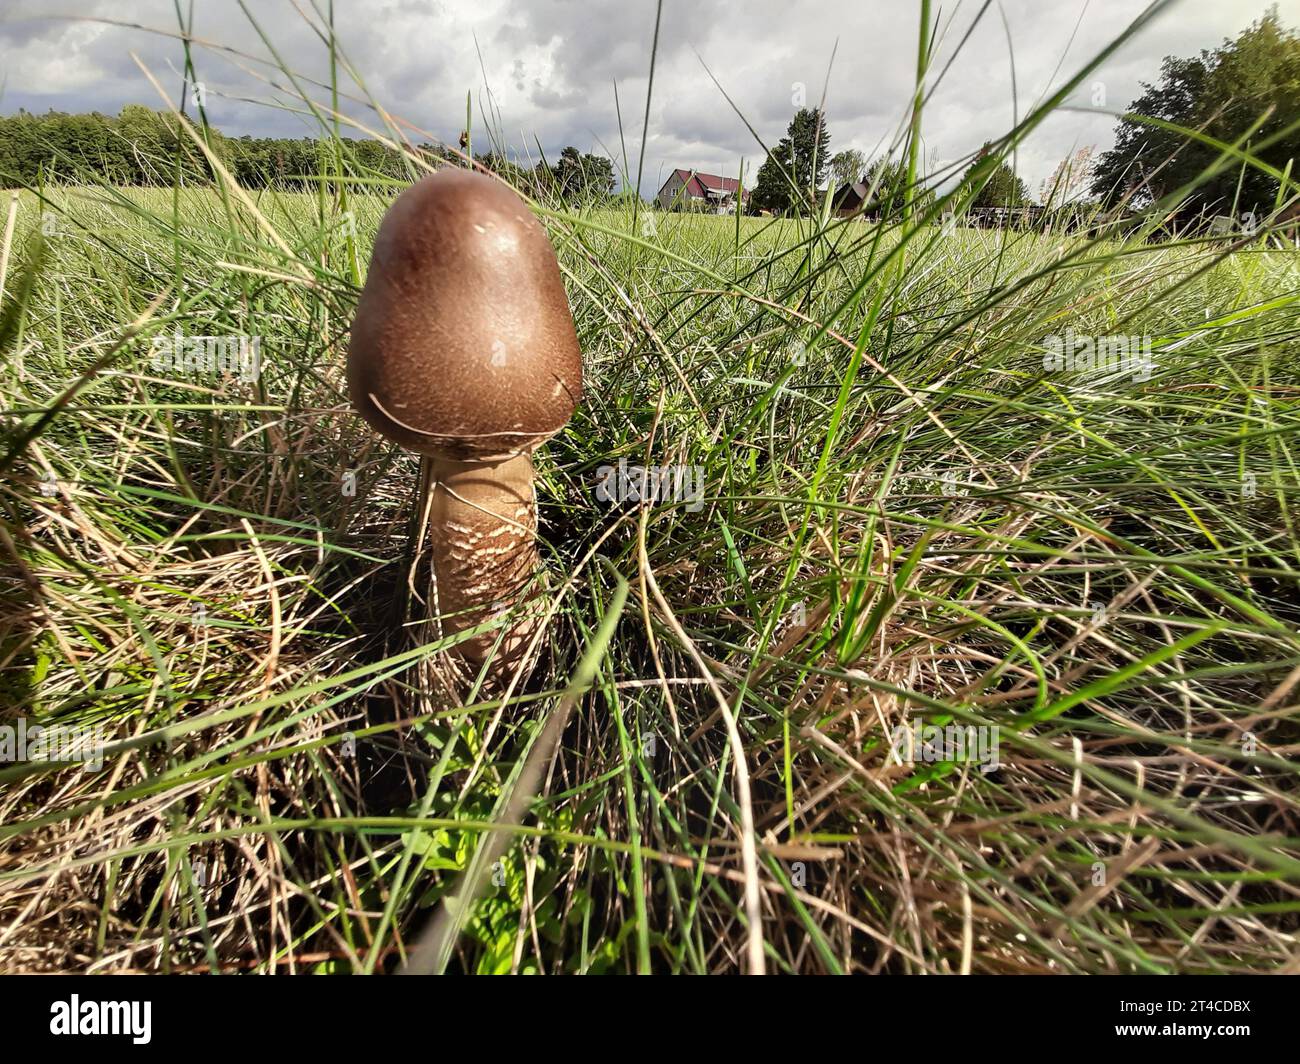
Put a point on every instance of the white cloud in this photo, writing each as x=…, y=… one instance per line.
x=551, y=67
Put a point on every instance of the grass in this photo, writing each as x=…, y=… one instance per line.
x=904, y=516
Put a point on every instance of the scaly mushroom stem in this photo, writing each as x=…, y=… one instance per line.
x=483, y=534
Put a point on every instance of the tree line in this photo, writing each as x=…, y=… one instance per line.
x=140, y=146
x=795, y=172
x=1168, y=147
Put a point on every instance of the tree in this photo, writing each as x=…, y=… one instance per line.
x=772, y=186
x=810, y=145
x=582, y=178
x=800, y=158
x=1002, y=188
x=889, y=181
x=542, y=180
x=1222, y=94
x=141, y=134
x=848, y=166
x=512, y=173
x=1069, y=180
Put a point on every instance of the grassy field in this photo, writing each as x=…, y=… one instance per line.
x=905, y=516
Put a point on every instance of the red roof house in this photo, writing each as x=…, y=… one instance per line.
x=692, y=190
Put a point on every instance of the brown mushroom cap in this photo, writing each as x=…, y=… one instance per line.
x=463, y=346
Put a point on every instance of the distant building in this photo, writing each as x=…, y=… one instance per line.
x=690, y=190
x=849, y=199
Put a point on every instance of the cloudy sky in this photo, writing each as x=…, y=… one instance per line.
x=549, y=68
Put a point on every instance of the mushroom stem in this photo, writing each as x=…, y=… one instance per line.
x=483, y=530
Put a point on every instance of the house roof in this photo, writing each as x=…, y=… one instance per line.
x=851, y=196
x=705, y=185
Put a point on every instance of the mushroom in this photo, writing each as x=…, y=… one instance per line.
x=463, y=349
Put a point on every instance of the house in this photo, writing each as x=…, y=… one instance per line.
x=849, y=199
x=691, y=190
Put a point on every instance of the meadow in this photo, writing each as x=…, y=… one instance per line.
x=906, y=521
